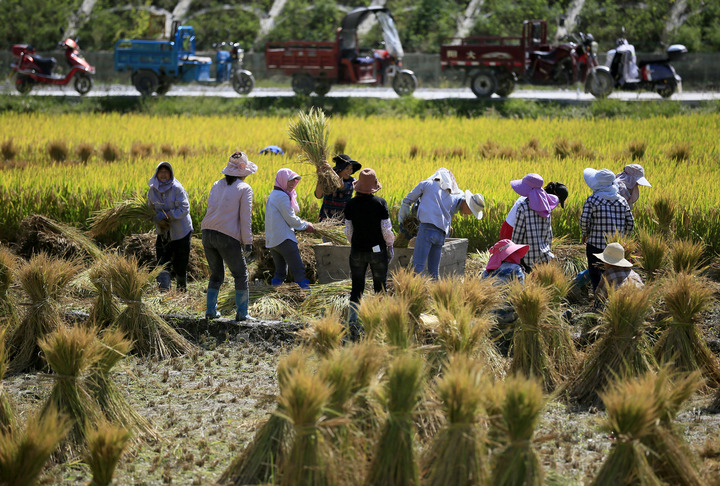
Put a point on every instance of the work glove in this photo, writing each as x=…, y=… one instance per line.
x=403, y=213
x=159, y=216
x=247, y=252
x=390, y=253
x=164, y=225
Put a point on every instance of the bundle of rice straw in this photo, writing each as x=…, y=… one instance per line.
x=622, y=350
x=413, y=287
x=44, y=279
x=105, y=309
x=135, y=209
x=258, y=463
x=456, y=455
x=106, y=444
x=631, y=413
x=324, y=335
x=310, y=131
x=687, y=256
x=517, y=462
x=70, y=352
x=482, y=295
x=150, y=334
x=23, y=453
x=69, y=233
x=303, y=399
x=332, y=229
x=114, y=347
x=530, y=352
x=8, y=309
x=397, y=326
x=394, y=462
x=653, y=253
x=370, y=314
x=7, y=415
x=365, y=413
x=671, y=459
x=686, y=297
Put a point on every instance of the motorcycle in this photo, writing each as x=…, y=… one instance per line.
x=31, y=69
x=658, y=75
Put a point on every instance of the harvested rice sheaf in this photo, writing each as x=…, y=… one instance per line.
x=9, y=316
x=42, y=234
x=133, y=210
x=106, y=444
x=310, y=131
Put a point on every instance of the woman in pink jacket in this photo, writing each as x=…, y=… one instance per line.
x=227, y=234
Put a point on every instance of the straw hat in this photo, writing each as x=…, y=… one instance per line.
x=239, y=166
x=367, y=182
x=476, y=203
x=614, y=254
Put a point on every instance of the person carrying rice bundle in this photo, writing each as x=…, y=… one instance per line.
x=555, y=188
x=281, y=222
x=333, y=205
x=369, y=231
x=227, y=234
x=441, y=199
x=604, y=212
x=628, y=182
x=618, y=272
x=533, y=226
x=167, y=197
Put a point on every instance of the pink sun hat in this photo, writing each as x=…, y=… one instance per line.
x=503, y=249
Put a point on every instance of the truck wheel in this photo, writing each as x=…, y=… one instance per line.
x=24, y=84
x=506, y=85
x=303, y=84
x=243, y=82
x=146, y=82
x=164, y=86
x=599, y=83
x=668, y=90
x=484, y=84
x=83, y=83
x=322, y=87
x=405, y=83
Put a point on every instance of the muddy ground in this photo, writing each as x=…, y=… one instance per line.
x=208, y=405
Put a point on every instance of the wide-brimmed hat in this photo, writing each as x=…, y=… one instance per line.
x=597, y=179
x=526, y=184
x=637, y=172
x=614, y=254
x=239, y=166
x=272, y=149
x=558, y=189
x=476, y=203
x=367, y=182
x=503, y=249
x=342, y=161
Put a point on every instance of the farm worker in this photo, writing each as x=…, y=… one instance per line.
x=333, y=205
x=369, y=231
x=168, y=199
x=441, y=198
x=281, y=222
x=556, y=188
x=629, y=180
x=532, y=226
x=618, y=272
x=604, y=212
x=227, y=234
x=504, y=262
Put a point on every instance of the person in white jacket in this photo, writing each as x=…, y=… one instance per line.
x=227, y=234
x=281, y=222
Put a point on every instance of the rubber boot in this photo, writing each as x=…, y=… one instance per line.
x=163, y=280
x=352, y=312
x=304, y=284
x=211, y=309
x=182, y=284
x=242, y=301
x=276, y=281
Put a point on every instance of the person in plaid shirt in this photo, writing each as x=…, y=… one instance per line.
x=604, y=212
x=532, y=225
x=618, y=272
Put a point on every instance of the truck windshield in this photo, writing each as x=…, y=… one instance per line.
x=390, y=35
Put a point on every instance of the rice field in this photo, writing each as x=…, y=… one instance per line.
x=58, y=165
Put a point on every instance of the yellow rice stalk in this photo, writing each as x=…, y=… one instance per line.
x=106, y=444
x=310, y=131
x=482, y=294
x=682, y=343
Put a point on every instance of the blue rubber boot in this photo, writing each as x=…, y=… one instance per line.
x=211, y=308
x=304, y=284
x=276, y=281
x=163, y=280
x=242, y=302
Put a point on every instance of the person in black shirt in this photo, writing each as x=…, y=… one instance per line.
x=369, y=231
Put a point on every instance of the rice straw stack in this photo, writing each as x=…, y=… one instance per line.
x=71, y=234
x=311, y=131
x=106, y=444
x=9, y=317
x=105, y=308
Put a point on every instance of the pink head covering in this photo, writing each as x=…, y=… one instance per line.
x=531, y=186
x=281, y=180
x=506, y=251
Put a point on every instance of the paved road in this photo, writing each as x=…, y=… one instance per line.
x=365, y=92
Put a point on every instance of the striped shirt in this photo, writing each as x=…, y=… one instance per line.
x=333, y=205
x=602, y=216
x=535, y=231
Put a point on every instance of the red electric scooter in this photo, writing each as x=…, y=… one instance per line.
x=31, y=68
